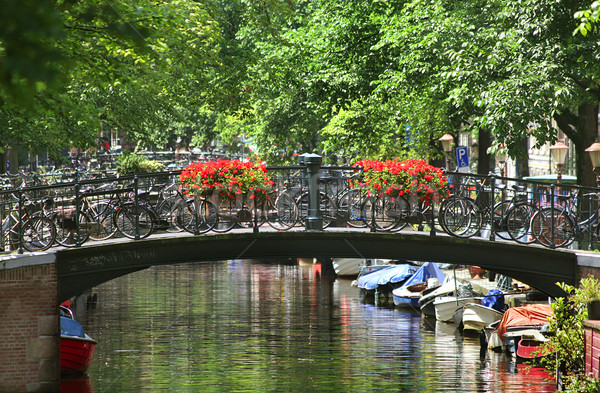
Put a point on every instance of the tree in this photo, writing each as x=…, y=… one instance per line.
x=136, y=66
x=501, y=66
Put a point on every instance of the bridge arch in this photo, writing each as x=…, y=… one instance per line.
x=82, y=268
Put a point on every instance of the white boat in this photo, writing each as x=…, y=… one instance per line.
x=409, y=294
x=426, y=301
x=477, y=316
x=347, y=267
x=446, y=306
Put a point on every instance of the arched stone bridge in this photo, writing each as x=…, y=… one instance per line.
x=539, y=267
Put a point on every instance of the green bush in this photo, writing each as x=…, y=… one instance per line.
x=566, y=335
x=131, y=163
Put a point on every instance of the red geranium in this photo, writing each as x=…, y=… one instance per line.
x=404, y=178
x=226, y=177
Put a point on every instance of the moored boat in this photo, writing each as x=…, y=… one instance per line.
x=379, y=283
x=76, y=347
x=426, y=300
x=347, y=267
x=530, y=348
x=446, y=306
x=518, y=322
x=408, y=295
x=475, y=317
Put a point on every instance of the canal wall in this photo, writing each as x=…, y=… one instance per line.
x=29, y=324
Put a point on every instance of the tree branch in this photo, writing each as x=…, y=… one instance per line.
x=565, y=123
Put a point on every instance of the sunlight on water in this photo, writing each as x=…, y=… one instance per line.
x=240, y=326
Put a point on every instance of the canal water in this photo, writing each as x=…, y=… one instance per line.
x=246, y=326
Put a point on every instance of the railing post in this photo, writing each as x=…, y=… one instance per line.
x=591, y=228
x=314, y=221
x=77, y=211
x=375, y=200
x=492, y=201
x=136, y=206
x=552, y=244
x=255, y=220
x=20, y=203
x=432, y=228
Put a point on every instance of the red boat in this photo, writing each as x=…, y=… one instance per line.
x=76, y=347
x=529, y=348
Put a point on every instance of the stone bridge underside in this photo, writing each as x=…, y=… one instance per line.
x=541, y=268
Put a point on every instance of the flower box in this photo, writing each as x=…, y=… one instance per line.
x=404, y=179
x=226, y=178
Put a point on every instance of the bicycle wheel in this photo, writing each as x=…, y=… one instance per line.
x=39, y=234
x=280, y=212
x=197, y=216
x=168, y=211
x=353, y=203
x=501, y=218
x=460, y=217
x=69, y=233
x=387, y=212
x=558, y=232
x=518, y=223
x=226, y=214
x=594, y=237
x=326, y=209
x=125, y=221
x=401, y=212
x=431, y=215
x=101, y=214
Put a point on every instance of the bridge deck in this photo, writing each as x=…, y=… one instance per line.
x=540, y=267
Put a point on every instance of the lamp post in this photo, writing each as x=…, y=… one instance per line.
x=447, y=140
x=558, y=151
x=594, y=151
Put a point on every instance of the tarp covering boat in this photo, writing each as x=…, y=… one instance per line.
x=391, y=274
x=426, y=271
x=494, y=299
x=524, y=316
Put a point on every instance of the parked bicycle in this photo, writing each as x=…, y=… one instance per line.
x=21, y=228
x=565, y=222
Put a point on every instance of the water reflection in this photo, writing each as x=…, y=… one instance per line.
x=240, y=326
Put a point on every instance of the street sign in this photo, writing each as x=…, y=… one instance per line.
x=462, y=158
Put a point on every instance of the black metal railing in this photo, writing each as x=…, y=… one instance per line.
x=72, y=212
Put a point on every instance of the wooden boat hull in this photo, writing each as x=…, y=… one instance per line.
x=76, y=353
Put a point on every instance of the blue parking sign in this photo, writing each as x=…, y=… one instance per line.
x=462, y=157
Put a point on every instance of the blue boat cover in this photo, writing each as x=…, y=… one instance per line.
x=425, y=272
x=494, y=299
x=70, y=327
x=391, y=274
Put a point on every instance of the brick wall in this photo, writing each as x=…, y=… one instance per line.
x=585, y=271
x=29, y=328
x=592, y=347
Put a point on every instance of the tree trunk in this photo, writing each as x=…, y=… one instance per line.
x=483, y=163
x=522, y=160
x=587, y=127
x=13, y=159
